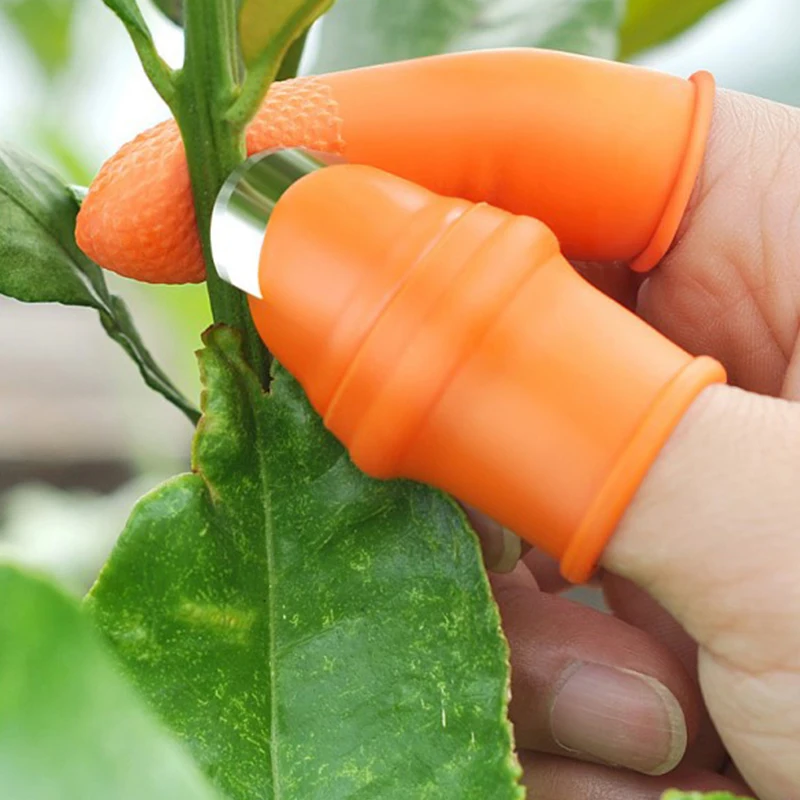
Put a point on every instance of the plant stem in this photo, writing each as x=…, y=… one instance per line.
x=206, y=87
x=156, y=69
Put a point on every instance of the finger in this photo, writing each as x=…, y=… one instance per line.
x=589, y=686
x=732, y=771
x=615, y=280
x=730, y=287
x=546, y=571
x=632, y=605
x=711, y=534
x=502, y=550
x=521, y=129
x=552, y=778
x=500, y=547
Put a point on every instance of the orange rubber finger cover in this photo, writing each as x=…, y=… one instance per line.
x=453, y=344
x=605, y=154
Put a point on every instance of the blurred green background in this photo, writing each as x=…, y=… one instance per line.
x=80, y=435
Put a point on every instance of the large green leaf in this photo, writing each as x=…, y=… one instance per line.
x=651, y=22
x=361, y=32
x=309, y=632
x=70, y=727
x=40, y=262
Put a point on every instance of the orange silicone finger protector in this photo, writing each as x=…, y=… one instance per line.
x=453, y=344
x=605, y=154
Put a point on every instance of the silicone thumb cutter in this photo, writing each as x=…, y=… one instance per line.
x=452, y=343
x=244, y=205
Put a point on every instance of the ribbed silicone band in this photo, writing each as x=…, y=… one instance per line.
x=687, y=175
x=587, y=545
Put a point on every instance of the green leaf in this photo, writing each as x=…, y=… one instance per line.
x=290, y=64
x=674, y=794
x=309, y=632
x=46, y=27
x=651, y=22
x=362, y=32
x=41, y=263
x=70, y=727
x=267, y=25
x=268, y=29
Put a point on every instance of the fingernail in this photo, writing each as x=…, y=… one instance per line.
x=619, y=717
x=501, y=548
x=512, y=552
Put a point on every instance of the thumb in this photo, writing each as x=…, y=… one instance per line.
x=712, y=534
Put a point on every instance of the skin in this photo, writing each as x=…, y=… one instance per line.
x=703, y=573
x=694, y=680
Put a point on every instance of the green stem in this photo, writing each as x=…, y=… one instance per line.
x=156, y=69
x=259, y=77
x=206, y=87
x=276, y=59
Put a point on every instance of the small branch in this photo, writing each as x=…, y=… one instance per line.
x=259, y=78
x=151, y=373
x=278, y=63
x=272, y=34
x=158, y=72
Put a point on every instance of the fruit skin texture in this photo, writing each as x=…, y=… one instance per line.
x=138, y=218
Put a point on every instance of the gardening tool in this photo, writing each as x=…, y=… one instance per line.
x=452, y=343
x=605, y=154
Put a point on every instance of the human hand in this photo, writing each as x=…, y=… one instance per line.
x=708, y=533
x=711, y=534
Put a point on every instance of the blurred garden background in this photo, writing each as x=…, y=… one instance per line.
x=73, y=455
